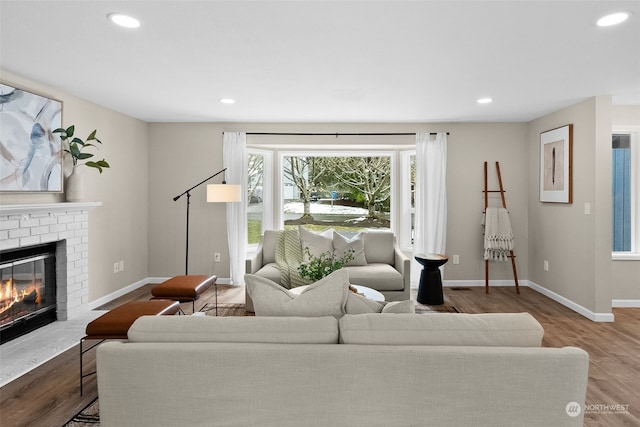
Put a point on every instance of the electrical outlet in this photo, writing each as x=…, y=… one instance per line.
x=587, y=208
x=456, y=259
x=546, y=265
x=121, y=265
x=116, y=267
x=216, y=257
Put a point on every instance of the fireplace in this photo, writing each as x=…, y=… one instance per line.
x=64, y=227
x=27, y=290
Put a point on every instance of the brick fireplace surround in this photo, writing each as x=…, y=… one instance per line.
x=67, y=224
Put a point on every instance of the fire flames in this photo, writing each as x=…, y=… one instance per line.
x=9, y=295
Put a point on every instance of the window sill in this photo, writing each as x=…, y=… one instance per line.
x=625, y=256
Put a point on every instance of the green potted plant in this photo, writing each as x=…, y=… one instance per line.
x=324, y=264
x=76, y=145
x=76, y=148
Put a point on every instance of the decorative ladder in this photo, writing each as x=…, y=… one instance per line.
x=504, y=205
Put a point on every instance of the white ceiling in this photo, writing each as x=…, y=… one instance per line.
x=327, y=61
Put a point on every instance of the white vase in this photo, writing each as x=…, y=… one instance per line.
x=74, y=187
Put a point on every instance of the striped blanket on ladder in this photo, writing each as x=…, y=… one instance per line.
x=498, y=235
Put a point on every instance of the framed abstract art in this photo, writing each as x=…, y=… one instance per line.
x=556, y=157
x=30, y=154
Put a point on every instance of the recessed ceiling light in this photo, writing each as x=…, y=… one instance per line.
x=613, y=19
x=227, y=101
x=485, y=100
x=124, y=20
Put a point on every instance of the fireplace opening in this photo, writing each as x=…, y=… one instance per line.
x=27, y=290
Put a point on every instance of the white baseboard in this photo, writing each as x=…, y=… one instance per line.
x=625, y=303
x=474, y=283
x=596, y=317
x=132, y=287
x=117, y=294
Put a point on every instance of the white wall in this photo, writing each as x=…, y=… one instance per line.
x=577, y=246
x=118, y=229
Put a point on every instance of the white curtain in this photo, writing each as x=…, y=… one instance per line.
x=431, y=194
x=234, y=147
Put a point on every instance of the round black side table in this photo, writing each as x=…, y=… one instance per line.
x=430, y=287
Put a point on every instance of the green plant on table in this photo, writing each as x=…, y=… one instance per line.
x=326, y=263
x=77, y=145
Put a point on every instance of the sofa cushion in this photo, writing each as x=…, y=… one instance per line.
x=317, y=243
x=269, y=242
x=358, y=304
x=341, y=245
x=381, y=277
x=450, y=329
x=279, y=330
x=270, y=271
x=326, y=297
x=378, y=247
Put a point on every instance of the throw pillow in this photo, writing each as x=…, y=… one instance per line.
x=326, y=297
x=400, y=307
x=341, y=245
x=316, y=242
x=357, y=304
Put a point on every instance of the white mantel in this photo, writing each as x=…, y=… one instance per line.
x=67, y=224
x=46, y=207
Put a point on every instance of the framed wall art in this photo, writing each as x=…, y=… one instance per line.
x=556, y=148
x=30, y=154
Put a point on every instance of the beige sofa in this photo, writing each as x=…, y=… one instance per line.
x=387, y=268
x=362, y=370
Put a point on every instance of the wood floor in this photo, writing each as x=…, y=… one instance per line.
x=49, y=395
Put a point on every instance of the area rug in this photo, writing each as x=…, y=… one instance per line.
x=228, y=309
x=89, y=416
x=427, y=309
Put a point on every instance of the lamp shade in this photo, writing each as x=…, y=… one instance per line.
x=223, y=193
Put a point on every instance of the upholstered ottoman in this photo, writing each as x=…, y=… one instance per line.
x=183, y=288
x=115, y=323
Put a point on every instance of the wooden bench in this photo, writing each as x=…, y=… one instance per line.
x=115, y=323
x=183, y=288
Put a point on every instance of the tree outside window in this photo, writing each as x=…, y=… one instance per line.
x=347, y=193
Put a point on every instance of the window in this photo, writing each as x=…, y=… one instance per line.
x=407, y=200
x=259, y=195
x=350, y=185
x=255, y=206
x=345, y=192
x=625, y=189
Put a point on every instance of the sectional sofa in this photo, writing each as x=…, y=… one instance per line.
x=368, y=370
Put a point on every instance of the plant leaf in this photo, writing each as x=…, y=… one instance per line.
x=82, y=156
x=92, y=135
x=70, y=131
x=77, y=141
x=95, y=165
x=74, y=150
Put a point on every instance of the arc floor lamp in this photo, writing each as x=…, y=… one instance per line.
x=216, y=193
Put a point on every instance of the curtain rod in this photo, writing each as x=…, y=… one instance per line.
x=337, y=134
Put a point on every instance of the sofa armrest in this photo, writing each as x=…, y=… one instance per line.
x=402, y=263
x=254, y=262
